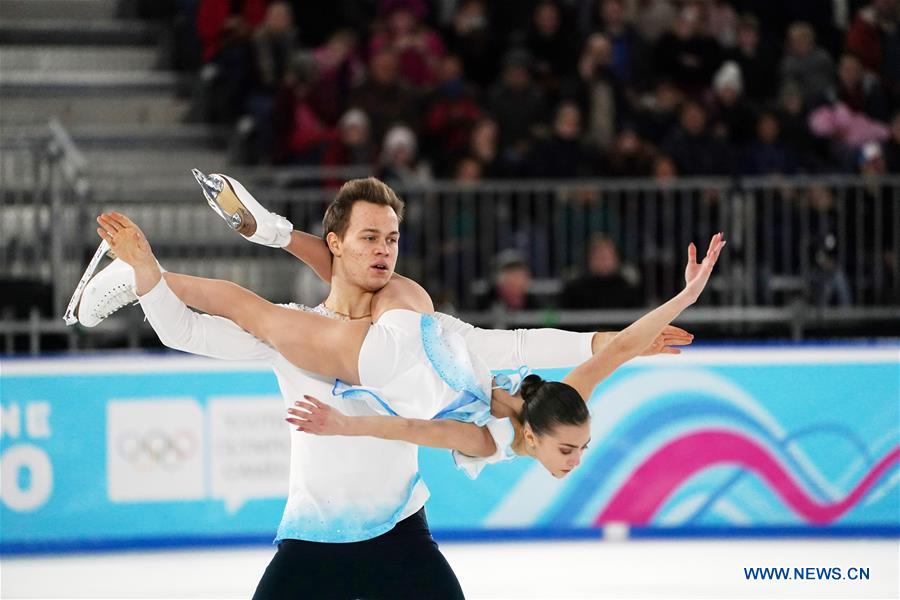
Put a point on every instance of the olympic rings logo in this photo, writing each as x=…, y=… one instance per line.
x=157, y=448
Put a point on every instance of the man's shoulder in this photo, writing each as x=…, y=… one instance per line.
x=319, y=309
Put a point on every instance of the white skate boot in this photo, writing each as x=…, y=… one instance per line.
x=104, y=293
x=242, y=212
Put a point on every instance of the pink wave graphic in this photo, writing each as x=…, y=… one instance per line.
x=663, y=472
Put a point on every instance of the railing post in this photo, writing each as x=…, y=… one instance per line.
x=54, y=226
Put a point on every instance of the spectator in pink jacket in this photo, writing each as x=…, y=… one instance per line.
x=853, y=129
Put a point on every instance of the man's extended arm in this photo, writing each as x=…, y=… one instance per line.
x=313, y=251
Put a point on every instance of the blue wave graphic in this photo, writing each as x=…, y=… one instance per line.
x=604, y=464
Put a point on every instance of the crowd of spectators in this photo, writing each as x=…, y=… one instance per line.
x=471, y=90
x=477, y=89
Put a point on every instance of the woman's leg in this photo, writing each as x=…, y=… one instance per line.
x=309, y=341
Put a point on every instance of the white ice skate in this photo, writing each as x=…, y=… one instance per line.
x=242, y=212
x=99, y=296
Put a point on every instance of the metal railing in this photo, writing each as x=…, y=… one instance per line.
x=801, y=251
x=42, y=177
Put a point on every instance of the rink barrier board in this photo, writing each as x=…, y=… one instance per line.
x=877, y=365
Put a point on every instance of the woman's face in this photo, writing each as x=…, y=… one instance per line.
x=559, y=450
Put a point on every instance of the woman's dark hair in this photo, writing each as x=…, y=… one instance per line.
x=551, y=403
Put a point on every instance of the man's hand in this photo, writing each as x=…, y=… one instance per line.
x=316, y=417
x=664, y=343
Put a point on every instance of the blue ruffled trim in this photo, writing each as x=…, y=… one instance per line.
x=512, y=383
x=454, y=367
x=468, y=409
x=346, y=390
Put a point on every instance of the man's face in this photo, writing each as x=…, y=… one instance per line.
x=368, y=251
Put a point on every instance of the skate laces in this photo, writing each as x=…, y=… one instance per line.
x=116, y=297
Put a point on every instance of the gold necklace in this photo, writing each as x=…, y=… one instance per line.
x=337, y=312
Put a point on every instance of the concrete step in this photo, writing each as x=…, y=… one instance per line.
x=74, y=10
x=156, y=164
x=152, y=136
x=76, y=110
x=86, y=83
x=78, y=58
x=105, y=32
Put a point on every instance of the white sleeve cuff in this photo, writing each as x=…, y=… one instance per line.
x=503, y=433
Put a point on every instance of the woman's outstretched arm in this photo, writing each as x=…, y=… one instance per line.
x=634, y=339
x=316, y=417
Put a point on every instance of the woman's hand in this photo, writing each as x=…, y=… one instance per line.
x=697, y=275
x=666, y=341
x=316, y=417
x=125, y=238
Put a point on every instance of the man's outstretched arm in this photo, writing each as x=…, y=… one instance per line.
x=313, y=251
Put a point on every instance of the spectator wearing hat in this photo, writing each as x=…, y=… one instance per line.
x=400, y=164
x=353, y=146
x=871, y=160
x=733, y=117
x=511, y=290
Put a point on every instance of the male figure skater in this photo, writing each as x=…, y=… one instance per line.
x=354, y=524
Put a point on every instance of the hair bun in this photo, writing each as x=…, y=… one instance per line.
x=530, y=385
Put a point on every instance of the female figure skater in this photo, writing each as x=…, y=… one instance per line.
x=405, y=349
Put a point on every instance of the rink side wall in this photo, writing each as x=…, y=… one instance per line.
x=153, y=450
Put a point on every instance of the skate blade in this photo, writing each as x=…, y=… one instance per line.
x=102, y=250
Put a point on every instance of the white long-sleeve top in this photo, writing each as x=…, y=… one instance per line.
x=347, y=489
